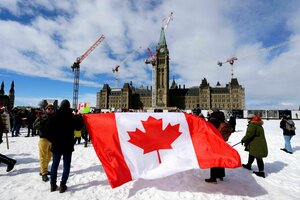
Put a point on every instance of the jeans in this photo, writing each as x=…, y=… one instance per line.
x=16, y=128
x=287, y=142
x=56, y=156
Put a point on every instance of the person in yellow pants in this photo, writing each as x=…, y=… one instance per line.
x=77, y=136
x=44, y=143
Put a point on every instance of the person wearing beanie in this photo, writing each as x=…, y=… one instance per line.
x=216, y=118
x=45, y=154
x=62, y=125
x=255, y=142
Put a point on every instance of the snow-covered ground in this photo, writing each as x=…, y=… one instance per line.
x=88, y=180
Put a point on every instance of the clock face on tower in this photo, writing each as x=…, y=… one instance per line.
x=162, y=50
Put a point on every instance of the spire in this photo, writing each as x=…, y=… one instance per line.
x=12, y=87
x=234, y=82
x=174, y=85
x=2, y=88
x=204, y=83
x=162, y=38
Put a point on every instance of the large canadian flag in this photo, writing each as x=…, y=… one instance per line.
x=154, y=145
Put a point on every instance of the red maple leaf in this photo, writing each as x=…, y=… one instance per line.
x=154, y=138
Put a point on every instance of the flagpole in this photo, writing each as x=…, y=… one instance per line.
x=235, y=144
x=159, y=160
x=7, y=144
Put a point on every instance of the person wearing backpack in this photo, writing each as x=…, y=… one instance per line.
x=288, y=127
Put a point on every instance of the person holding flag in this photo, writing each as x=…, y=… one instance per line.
x=255, y=142
x=217, y=119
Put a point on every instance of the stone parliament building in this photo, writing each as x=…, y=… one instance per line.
x=229, y=97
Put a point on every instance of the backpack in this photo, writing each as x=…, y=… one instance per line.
x=290, y=125
x=225, y=130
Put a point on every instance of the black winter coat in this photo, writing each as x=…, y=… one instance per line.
x=61, y=126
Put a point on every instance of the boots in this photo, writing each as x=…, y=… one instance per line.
x=45, y=178
x=247, y=166
x=62, y=188
x=53, y=187
x=11, y=165
x=211, y=180
x=8, y=161
x=260, y=173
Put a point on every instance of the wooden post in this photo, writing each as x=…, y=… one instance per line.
x=6, y=122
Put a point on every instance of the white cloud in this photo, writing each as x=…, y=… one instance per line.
x=201, y=33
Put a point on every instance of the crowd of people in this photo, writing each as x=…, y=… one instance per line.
x=56, y=129
x=60, y=129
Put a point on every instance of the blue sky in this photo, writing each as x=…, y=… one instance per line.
x=40, y=40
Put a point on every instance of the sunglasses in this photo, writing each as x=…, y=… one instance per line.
x=50, y=108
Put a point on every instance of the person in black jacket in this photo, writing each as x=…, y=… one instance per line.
x=44, y=144
x=217, y=118
x=62, y=126
x=30, y=120
x=232, y=122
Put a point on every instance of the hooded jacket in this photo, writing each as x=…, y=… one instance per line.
x=255, y=141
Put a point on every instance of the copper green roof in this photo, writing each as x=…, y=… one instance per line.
x=162, y=38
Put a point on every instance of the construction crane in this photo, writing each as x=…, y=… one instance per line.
x=115, y=70
x=233, y=59
x=167, y=20
x=76, y=69
x=152, y=59
x=230, y=61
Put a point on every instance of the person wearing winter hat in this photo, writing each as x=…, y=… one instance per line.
x=255, y=142
x=216, y=118
x=62, y=125
x=250, y=116
x=49, y=106
x=45, y=154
